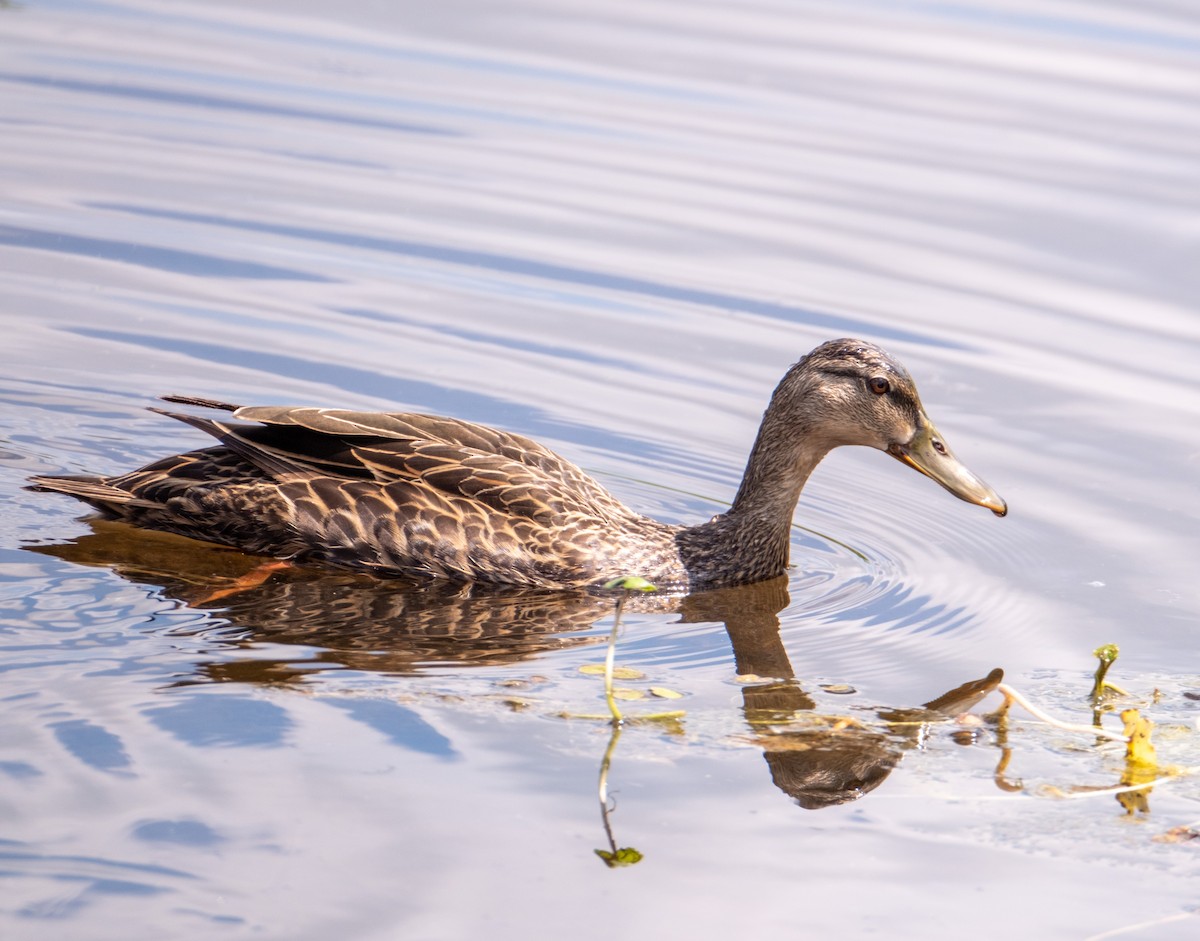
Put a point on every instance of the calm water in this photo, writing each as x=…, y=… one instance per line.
x=611, y=227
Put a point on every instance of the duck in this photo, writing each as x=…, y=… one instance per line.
x=423, y=495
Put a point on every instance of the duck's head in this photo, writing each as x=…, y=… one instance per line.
x=852, y=392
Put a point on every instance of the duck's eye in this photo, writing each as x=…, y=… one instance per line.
x=879, y=385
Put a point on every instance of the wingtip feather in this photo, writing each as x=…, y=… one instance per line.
x=199, y=402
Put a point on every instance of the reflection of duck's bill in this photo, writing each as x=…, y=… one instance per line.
x=927, y=452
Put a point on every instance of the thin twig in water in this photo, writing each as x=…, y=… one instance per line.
x=1109, y=791
x=1011, y=695
x=1165, y=920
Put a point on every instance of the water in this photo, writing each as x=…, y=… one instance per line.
x=610, y=228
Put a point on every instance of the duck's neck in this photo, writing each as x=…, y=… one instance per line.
x=752, y=540
x=779, y=466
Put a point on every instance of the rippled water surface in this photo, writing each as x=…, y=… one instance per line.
x=610, y=227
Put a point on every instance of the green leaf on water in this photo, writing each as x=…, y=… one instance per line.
x=631, y=583
x=663, y=693
x=668, y=722
x=619, y=673
x=624, y=856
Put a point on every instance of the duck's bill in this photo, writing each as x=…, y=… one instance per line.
x=927, y=452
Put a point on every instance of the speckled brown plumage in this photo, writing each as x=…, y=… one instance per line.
x=424, y=495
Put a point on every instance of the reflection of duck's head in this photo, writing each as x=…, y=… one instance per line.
x=823, y=769
x=833, y=761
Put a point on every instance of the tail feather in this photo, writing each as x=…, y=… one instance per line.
x=94, y=490
x=271, y=461
x=209, y=426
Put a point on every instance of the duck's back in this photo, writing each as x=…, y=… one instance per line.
x=401, y=493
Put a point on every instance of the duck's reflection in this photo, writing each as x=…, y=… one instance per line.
x=395, y=626
x=817, y=760
x=339, y=618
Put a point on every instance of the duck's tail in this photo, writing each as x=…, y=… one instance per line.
x=94, y=490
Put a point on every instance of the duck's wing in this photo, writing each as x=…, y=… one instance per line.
x=509, y=473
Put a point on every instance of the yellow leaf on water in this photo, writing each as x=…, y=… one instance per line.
x=622, y=692
x=619, y=673
x=663, y=693
x=1141, y=766
x=1140, y=749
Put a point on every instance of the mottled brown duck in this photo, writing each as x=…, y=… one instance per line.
x=418, y=494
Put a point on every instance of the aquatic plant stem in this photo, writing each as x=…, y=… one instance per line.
x=1059, y=794
x=1012, y=696
x=605, y=764
x=609, y=657
x=1141, y=926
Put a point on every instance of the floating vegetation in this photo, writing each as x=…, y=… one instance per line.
x=1012, y=697
x=1141, y=764
x=625, y=856
x=617, y=673
x=1107, y=655
x=616, y=857
x=1139, y=750
x=610, y=671
x=1141, y=770
x=629, y=583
